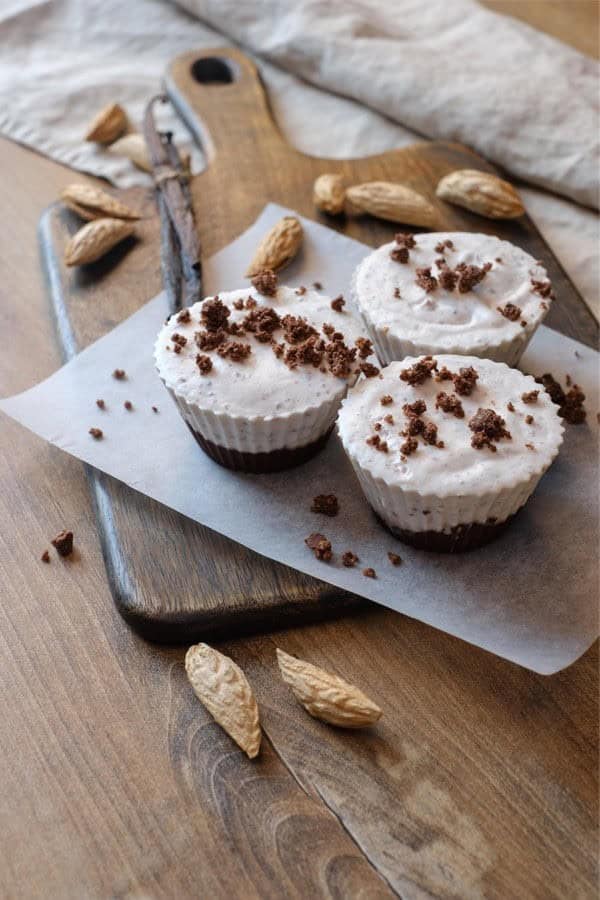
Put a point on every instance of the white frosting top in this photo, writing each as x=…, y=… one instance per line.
x=457, y=468
x=262, y=385
x=451, y=320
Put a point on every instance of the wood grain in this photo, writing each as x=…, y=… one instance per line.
x=229, y=590
x=480, y=780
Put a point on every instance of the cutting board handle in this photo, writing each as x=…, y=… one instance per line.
x=216, y=90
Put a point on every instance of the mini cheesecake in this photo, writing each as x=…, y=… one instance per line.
x=453, y=292
x=258, y=374
x=447, y=449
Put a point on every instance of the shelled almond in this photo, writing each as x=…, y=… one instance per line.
x=95, y=239
x=481, y=192
x=278, y=247
x=329, y=193
x=392, y=202
x=133, y=146
x=107, y=125
x=91, y=203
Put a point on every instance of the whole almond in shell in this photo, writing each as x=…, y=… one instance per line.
x=91, y=203
x=392, y=202
x=481, y=192
x=278, y=246
x=329, y=193
x=107, y=125
x=223, y=689
x=95, y=239
x=133, y=146
x=325, y=696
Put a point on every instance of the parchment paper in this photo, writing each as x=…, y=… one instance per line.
x=530, y=597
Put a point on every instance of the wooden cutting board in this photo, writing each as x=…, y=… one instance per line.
x=172, y=579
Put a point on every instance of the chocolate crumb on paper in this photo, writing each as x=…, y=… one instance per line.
x=327, y=504
x=570, y=404
x=100, y=404
x=317, y=286
x=394, y=558
x=338, y=304
x=96, y=433
x=45, y=557
x=155, y=409
x=510, y=406
x=349, y=559
x=63, y=543
x=119, y=374
x=128, y=405
x=369, y=572
x=320, y=546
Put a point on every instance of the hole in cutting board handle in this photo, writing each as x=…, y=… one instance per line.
x=213, y=70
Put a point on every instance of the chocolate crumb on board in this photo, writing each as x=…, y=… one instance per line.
x=327, y=504
x=96, y=433
x=530, y=396
x=100, y=404
x=320, y=546
x=204, y=363
x=184, y=316
x=369, y=573
x=397, y=293
x=487, y=427
x=119, y=374
x=317, y=286
x=529, y=420
x=128, y=405
x=394, y=558
x=510, y=311
x=63, y=543
x=45, y=557
x=349, y=559
x=386, y=400
x=155, y=409
x=338, y=303
x=265, y=282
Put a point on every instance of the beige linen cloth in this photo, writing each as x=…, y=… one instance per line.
x=346, y=78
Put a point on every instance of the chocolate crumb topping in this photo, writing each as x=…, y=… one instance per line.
x=63, y=543
x=404, y=239
x=296, y=329
x=338, y=303
x=368, y=370
x=498, y=259
x=365, y=347
x=523, y=323
x=309, y=352
x=400, y=255
x=448, y=243
x=128, y=405
x=568, y=380
x=386, y=400
x=420, y=371
x=543, y=288
x=450, y=403
x=349, y=559
x=119, y=374
x=376, y=442
x=250, y=303
x=326, y=504
x=300, y=291
x=444, y=374
x=45, y=557
x=320, y=546
x=466, y=381
x=183, y=316
x=470, y=276
x=204, y=363
x=394, y=558
x=430, y=435
x=389, y=419
x=510, y=406
x=236, y=351
x=510, y=311
x=414, y=409
x=414, y=426
x=214, y=315
x=440, y=247
x=340, y=358
x=328, y=329
x=409, y=446
x=96, y=433
x=447, y=277
x=100, y=404
x=317, y=286
x=239, y=303
x=529, y=420
x=487, y=427
x=426, y=280
x=530, y=397
x=530, y=446
x=262, y=323
x=207, y=340
x=369, y=572
x=397, y=293
x=266, y=283
x=377, y=426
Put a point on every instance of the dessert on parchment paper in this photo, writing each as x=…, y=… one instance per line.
x=454, y=292
x=447, y=449
x=258, y=374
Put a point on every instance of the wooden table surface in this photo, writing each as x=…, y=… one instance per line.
x=479, y=781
